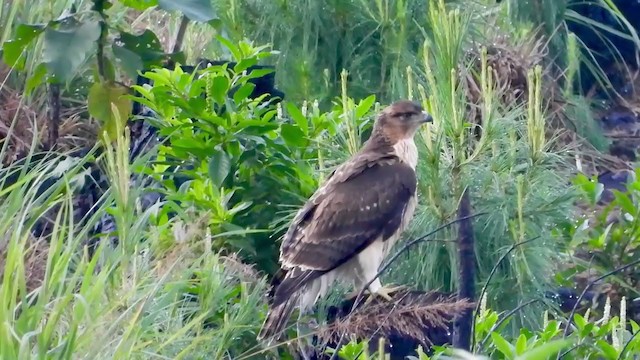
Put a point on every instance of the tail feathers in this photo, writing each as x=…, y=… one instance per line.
x=277, y=319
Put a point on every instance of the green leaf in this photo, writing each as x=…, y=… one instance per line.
x=140, y=4
x=219, y=167
x=298, y=117
x=365, y=105
x=145, y=46
x=130, y=62
x=66, y=48
x=37, y=78
x=543, y=352
x=607, y=349
x=293, y=136
x=502, y=345
x=12, y=50
x=624, y=201
x=195, y=10
x=102, y=96
x=243, y=92
x=219, y=88
x=521, y=344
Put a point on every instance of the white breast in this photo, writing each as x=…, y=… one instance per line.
x=407, y=151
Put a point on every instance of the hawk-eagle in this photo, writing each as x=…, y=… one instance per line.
x=347, y=227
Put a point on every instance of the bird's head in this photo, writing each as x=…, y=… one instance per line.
x=401, y=120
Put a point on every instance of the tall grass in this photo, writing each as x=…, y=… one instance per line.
x=160, y=293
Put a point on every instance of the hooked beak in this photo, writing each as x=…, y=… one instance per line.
x=427, y=118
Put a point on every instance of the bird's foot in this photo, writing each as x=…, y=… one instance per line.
x=383, y=292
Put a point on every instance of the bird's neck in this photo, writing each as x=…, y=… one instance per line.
x=407, y=151
x=404, y=148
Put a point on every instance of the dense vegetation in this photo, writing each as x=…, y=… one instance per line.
x=142, y=200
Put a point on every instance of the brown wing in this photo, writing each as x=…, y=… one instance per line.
x=344, y=219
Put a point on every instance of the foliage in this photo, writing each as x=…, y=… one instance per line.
x=611, y=238
x=376, y=40
x=136, y=300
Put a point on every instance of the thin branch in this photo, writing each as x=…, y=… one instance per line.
x=626, y=345
x=182, y=30
x=588, y=287
x=486, y=284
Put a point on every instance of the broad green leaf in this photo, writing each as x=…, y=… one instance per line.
x=244, y=64
x=502, y=345
x=243, y=92
x=67, y=47
x=293, y=136
x=625, y=202
x=219, y=167
x=521, y=344
x=102, y=99
x=219, y=88
x=195, y=10
x=607, y=349
x=13, y=49
x=298, y=117
x=543, y=352
x=233, y=49
x=146, y=46
x=140, y=4
x=365, y=105
x=130, y=62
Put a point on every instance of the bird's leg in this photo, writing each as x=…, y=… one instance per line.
x=305, y=329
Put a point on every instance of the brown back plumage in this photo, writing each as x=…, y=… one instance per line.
x=363, y=200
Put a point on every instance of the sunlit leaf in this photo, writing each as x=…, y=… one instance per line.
x=140, y=4
x=543, y=352
x=102, y=99
x=293, y=136
x=502, y=345
x=13, y=49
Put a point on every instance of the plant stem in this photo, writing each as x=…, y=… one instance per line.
x=466, y=273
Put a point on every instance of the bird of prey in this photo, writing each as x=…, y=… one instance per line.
x=347, y=227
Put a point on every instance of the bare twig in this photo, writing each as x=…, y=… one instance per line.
x=53, y=127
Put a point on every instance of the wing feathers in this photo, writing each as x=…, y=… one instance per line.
x=349, y=215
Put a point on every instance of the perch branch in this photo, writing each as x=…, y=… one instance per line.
x=486, y=283
x=393, y=258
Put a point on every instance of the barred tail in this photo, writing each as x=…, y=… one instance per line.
x=277, y=319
